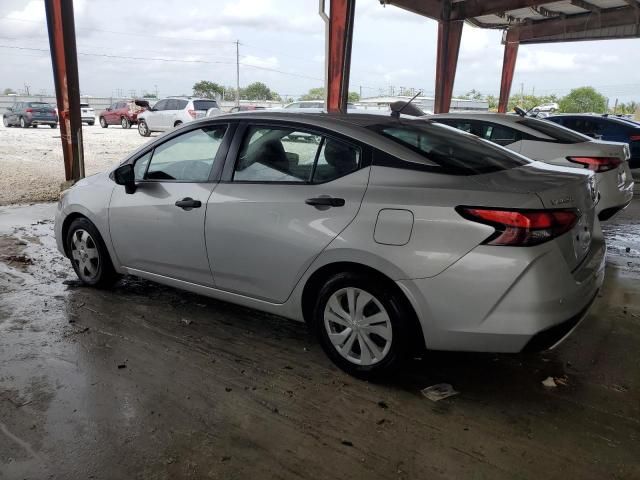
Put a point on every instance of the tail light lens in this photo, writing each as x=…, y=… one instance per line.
x=634, y=138
x=192, y=113
x=597, y=164
x=521, y=228
x=29, y=110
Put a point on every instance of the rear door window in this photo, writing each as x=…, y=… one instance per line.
x=500, y=134
x=161, y=105
x=550, y=129
x=204, y=105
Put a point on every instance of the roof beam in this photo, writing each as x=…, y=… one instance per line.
x=586, y=6
x=613, y=17
x=427, y=8
x=478, y=8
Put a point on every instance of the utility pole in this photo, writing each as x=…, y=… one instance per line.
x=156, y=87
x=237, y=73
x=26, y=89
x=522, y=93
x=360, y=91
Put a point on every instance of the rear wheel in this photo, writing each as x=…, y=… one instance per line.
x=363, y=325
x=124, y=121
x=5, y=122
x=91, y=123
x=35, y=125
x=53, y=125
x=23, y=123
x=143, y=129
x=177, y=124
x=89, y=255
x=103, y=123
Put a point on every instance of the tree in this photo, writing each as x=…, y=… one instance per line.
x=314, y=94
x=582, y=100
x=149, y=95
x=207, y=89
x=9, y=91
x=353, y=97
x=492, y=100
x=257, y=91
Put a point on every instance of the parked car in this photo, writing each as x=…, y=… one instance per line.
x=243, y=108
x=385, y=235
x=172, y=112
x=610, y=128
x=30, y=114
x=550, y=143
x=124, y=113
x=305, y=104
x=88, y=113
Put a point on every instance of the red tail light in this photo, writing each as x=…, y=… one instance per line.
x=29, y=110
x=634, y=138
x=597, y=164
x=192, y=113
x=523, y=228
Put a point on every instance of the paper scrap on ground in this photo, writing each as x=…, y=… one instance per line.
x=438, y=391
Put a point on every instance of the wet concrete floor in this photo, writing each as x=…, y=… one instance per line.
x=148, y=382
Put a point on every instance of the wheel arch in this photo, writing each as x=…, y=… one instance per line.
x=323, y=273
x=65, y=228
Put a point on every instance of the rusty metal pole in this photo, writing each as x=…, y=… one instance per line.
x=449, y=36
x=64, y=59
x=508, y=69
x=342, y=13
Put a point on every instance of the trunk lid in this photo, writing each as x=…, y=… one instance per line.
x=557, y=188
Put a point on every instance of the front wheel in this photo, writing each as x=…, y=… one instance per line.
x=124, y=121
x=23, y=123
x=143, y=129
x=89, y=255
x=103, y=123
x=363, y=326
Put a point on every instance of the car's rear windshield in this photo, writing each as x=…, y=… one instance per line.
x=204, y=104
x=553, y=130
x=39, y=105
x=454, y=151
x=84, y=105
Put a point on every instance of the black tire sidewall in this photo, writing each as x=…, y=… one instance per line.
x=23, y=123
x=125, y=123
x=400, y=345
x=106, y=273
x=103, y=122
x=143, y=124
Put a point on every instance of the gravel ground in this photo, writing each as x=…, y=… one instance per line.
x=31, y=165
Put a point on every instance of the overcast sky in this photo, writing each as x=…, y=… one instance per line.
x=282, y=44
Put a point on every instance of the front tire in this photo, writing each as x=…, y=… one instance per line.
x=89, y=255
x=103, y=123
x=362, y=325
x=125, y=123
x=143, y=129
x=23, y=123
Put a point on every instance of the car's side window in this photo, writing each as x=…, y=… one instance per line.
x=161, y=105
x=188, y=157
x=171, y=105
x=181, y=104
x=140, y=167
x=336, y=159
x=500, y=134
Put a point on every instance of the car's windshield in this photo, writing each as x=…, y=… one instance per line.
x=454, y=151
x=40, y=105
x=204, y=104
x=553, y=130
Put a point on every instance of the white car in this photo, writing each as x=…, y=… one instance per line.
x=87, y=113
x=171, y=112
x=551, y=143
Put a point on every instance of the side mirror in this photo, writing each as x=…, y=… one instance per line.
x=108, y=109
x=124, y=175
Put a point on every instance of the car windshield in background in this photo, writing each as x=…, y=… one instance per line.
x=457, y=153
x=204, y=104
x=554, y=130
x=39, y=105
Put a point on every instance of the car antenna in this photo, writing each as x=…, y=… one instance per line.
x=396, y=113
x=520, y=111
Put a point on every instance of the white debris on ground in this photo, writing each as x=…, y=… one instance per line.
x=31, y=165
x=439, y=391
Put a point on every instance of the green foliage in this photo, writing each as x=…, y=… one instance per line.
x=583, y=100
x=9, y=91
x=257, y=91
x=353, y=97
x=314, y=94
x=149, y=95
x=629, y=108
x=207, y=89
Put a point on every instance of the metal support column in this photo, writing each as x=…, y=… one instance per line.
x=64, y=59
x=508, y=69
x=341, y=17
x=449, y=35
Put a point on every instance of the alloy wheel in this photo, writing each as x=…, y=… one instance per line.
x=124, y=122
x=23, y=124
x=142, y=128
x=358, y=326
x=85, y=255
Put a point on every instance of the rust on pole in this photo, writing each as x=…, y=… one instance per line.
x=449, y=36
x=341, y=17
x=508, y=69
x=64, y=59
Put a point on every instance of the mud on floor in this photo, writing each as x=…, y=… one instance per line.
x=144, y=381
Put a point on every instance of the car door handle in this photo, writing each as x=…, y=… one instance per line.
x=325, y=202
x=188, y=203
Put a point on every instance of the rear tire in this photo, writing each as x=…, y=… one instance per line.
x=34, y=125
x=54, y=126
x=143, y=129
x=89, y=255
x=91, y=124
x=177, y=124
x=103, y=122
x=125, y=123
x=5, y=122
x=363, y=325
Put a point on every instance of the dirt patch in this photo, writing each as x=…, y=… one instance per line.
x=11, y=252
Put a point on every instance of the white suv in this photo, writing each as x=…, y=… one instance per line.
x=171, y=112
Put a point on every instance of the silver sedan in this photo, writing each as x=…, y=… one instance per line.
x=385, y=235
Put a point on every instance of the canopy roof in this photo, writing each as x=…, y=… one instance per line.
x=537, y=21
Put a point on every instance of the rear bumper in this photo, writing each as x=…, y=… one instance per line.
x=501, y=299
x=613, y=196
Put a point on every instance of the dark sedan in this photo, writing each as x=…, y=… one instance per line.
x=30, y=114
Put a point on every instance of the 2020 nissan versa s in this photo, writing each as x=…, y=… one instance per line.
x=384, y=235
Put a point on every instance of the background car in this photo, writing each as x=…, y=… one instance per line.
x=607, y=127
x=125, y=113
x=88, y=114
x=550, y=143
x=380, y=233
x=171, y=112
x=244, y=108
x=30, y=114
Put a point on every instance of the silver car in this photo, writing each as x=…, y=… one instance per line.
x=171, y=112
x=551, y=143
x=385, y=235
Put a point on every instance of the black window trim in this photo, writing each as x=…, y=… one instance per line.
x=236, y=146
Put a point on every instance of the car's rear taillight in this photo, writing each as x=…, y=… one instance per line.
x=597, y=164
x=192, y=113
x=29, y=110
x=634, y=138
x=521, y=228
